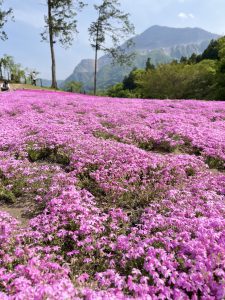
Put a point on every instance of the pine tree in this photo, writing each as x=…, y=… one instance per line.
x=61, y=24
x=149, y=65
x=112, y=25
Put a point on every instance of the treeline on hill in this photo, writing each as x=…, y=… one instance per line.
x=197, y=77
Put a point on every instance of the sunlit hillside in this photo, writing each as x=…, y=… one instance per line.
x=105, y=198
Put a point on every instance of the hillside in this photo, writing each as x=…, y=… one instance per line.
x=111, y=199
x=161, y=43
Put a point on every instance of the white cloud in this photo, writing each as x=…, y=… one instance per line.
x=183, y=15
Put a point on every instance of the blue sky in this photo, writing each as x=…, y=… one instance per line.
x=24, y=34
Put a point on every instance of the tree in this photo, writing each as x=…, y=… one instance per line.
x=166, y=81
x=212, y=51
x=200, y=80
x=74, y=87
x=17, y=73
x=149, y=65
x=60, y=25
x=4, y=16
x=183, y=59
x=112, y=25
x=118, y=91
x=7, y=63
x=129, y=80
x=221, y=69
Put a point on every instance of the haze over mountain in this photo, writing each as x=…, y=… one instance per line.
x=161, y=43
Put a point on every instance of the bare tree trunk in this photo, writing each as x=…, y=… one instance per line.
x=54, y=82
x=1, y=76
x=96, y=67
x=96, y=56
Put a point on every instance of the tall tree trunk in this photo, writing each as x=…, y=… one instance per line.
x=1, y=76
x=96, y=67
x=96, y=56
x=51, y=40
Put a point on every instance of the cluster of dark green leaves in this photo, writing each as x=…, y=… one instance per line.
x=62, y=21
x=74, y=87
x=111, y=25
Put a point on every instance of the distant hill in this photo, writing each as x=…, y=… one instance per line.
x=161, y=43
x=157, y=37
x=48, y=82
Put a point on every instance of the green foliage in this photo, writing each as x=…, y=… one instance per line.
x=113, y=25
x=11, y=70
x=149, y=65
x=106, y=135
x=215, y=163
x=166, y=81
x=47, y=154
x=129, y=88
x=62, y=20
x=212, y=51
x=60, y=25
x=7, y=196
x=179, y=80
x=74, y=87
x=197, y=77
x=4, y=17
x=129, y=81
x=109, y=14
x=119, y=91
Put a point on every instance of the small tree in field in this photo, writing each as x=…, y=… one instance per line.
x=4, y=16
x=60, y=26
x=112, y=25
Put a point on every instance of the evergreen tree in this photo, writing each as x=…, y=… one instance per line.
x=183, y=59
x=111, y=25
x=60, y=26
x=212, y=51
x=129, y=81
x=149, y=65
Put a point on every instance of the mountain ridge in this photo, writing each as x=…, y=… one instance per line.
x=161, y=43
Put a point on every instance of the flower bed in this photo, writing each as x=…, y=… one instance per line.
x=116, y=198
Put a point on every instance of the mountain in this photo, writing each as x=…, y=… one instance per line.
x=163, y=44
x=157, y=37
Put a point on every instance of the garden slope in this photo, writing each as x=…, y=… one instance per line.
x=119, y=198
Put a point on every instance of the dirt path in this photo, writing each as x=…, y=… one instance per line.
x=16, y=213
x=23, y=210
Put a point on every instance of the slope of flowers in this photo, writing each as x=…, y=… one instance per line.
x=118, y=198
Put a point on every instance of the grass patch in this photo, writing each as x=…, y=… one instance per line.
x=108, y=125
x=106, y=135
x=55, y=155
x=215, y=163
x=166, y=147
x=7, y=196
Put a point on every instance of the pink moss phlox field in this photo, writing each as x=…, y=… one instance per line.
x=129, y=198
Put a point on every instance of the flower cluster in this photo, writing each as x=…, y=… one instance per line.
x=111, y=198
